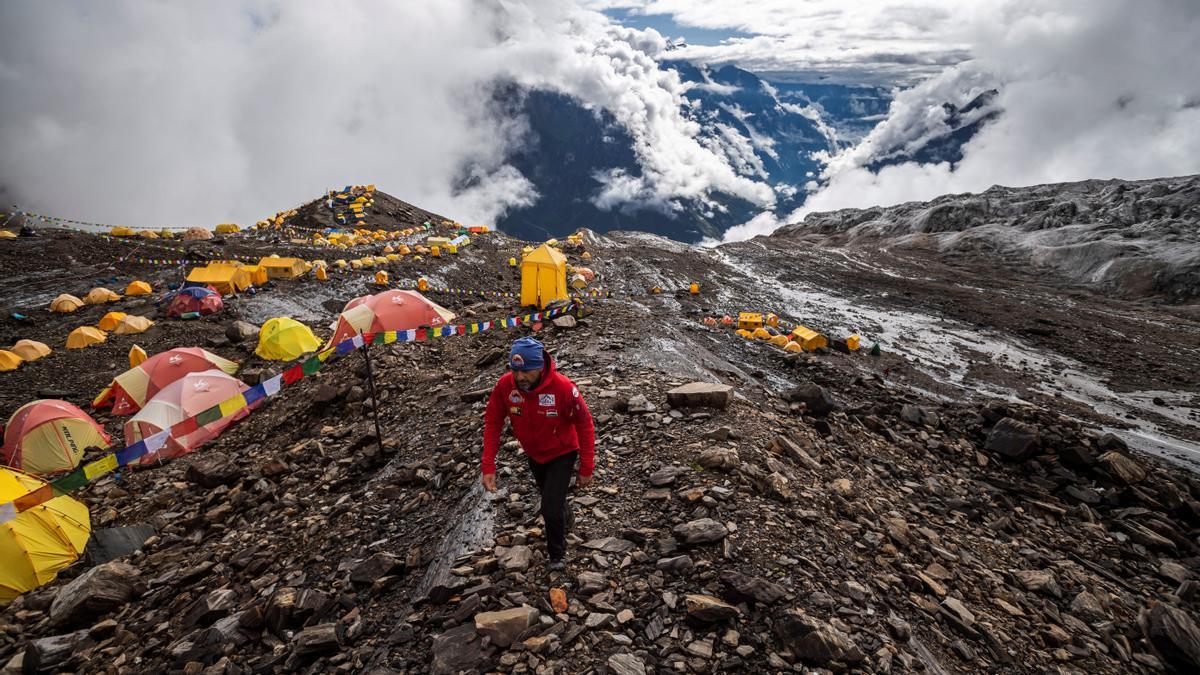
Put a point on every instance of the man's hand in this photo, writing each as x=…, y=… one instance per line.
x=489, y=482
x=583, y=481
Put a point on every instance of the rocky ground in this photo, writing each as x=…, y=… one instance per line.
x=937, y=508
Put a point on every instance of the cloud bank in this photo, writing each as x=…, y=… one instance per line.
x=151, y=113
x=1095, y=89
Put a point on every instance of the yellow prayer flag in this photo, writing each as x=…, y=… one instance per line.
x=100, y=467
x=233, y=405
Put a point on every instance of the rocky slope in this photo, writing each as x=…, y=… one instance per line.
x=827, y=511
x=1130, y=238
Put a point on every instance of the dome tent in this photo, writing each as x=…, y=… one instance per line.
x=186, y=397
x=284, y=339
x=40, y=541
x=50, y=436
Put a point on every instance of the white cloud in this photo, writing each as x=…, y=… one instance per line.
x=195, y=113
x=1098, y=89
x=886, y=41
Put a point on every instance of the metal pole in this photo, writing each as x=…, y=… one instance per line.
x=374, y=400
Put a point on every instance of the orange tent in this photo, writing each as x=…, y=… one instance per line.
x=65, y=303
x=110, y=321
x=138, y=288
x=388, y=311
x=100, y=295
x=31, y=350
x=85, y=336
x=130, y=390
x=49, y=436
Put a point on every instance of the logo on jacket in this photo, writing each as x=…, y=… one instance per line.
x=516, y=397
x=545, y=400
x=575, y=392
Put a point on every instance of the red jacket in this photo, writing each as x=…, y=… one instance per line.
x=549, y=421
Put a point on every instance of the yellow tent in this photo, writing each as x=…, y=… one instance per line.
x=65, y=303
x=39, y=542
x=322, y=275
x=808, y=338
x=84, y=336
x=282, y=268
x=258, y=274
x=543, y=277
x=100, y=295
x=227, y=278
x=7, y=234
x=284, y=339
x=132, y=325
x=121, y=232
x=110, y=321
x=147, y=234
x=137, y=356
x=138, y=288
x=749, y=320
x=381, y=278
x=227, y=228
x=9, y=361
x=31, y=350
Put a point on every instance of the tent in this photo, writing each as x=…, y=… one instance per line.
x=147, y=234
x=121, y=231
x=7, y=234
x=283, y=268
x=130, y=390
x=203, y=301
x=197, y=234
x=31, y=350
x=50, y=436
x=137, y=356
x=109, y=321
x=138, y=288
x=543, y=277
x=85, y=336
x=810, y=339
x=388, y=311
x=228, y=228
x=100, y=296
x=284, y=339
x=184, y=398
x=258, y=274
x=133, y=325
x=40, y=541
x=225, y=278
x=9, y=361
x=65, y=303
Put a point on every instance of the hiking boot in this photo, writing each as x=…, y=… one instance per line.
x=557, y=565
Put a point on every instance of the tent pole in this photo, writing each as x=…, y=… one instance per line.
x=374, y=401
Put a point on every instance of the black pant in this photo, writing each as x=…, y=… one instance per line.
x=553, y=479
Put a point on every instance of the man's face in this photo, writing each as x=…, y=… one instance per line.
x=527, y=379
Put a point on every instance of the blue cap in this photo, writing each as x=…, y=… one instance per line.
x=527, y=354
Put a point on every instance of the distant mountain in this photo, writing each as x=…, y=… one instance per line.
x=1130, y=238
x=946, y=143
x=570, y=148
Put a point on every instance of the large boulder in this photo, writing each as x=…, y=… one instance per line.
x=504, y=626
x=374, y=568
x=1174, y=635
x=240, y=331
x=743, y=587
x=817, y=401
x=95, y=593
x=701, y=531
x=1123, y=467
x=213, y=470
x=721, y=459
x=1013, y=439
x=458, y=649
x=705, y=609
x=700, y=395
x=815, y=641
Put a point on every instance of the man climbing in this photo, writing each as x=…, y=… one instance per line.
x=553, y=425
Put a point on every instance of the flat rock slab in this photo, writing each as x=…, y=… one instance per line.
x=700, y=395
x=111, y=543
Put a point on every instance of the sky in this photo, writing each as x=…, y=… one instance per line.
x=150, y=114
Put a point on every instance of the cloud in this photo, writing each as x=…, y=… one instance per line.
x=195, y=113
x=1086, y=91
x=875, y=41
